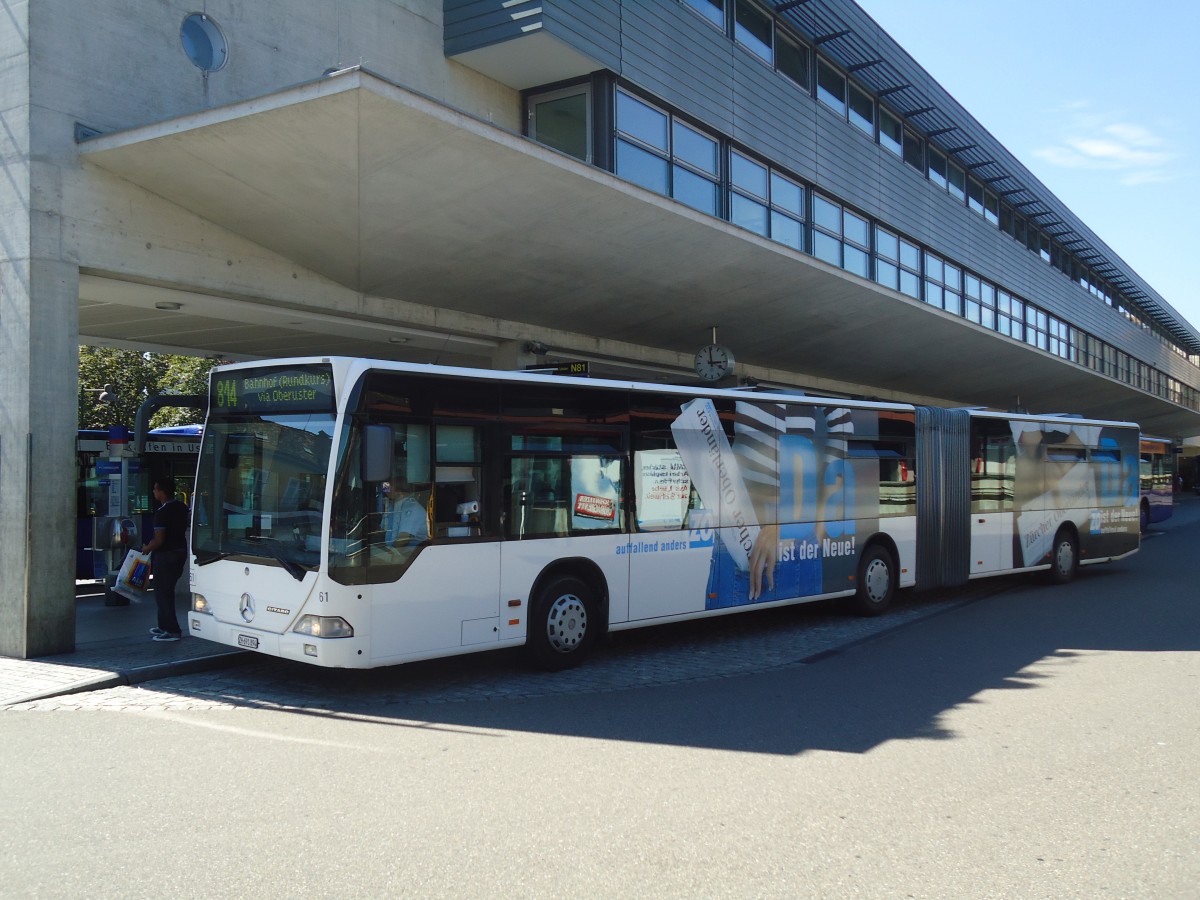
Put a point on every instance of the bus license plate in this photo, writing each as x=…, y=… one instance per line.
x=245, y=640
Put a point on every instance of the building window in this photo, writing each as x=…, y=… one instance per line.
x=887, y=258
x=695, y=173
x=791, y=58
x=713, y=10
x=752, y=28
x=914, y=150
x=562, y=120
x=979, y=301
x=1060, y=338
x=891, y=132
x=642, y=151
x=787, y=211
x=1010, y=316
x=666, y=156
x=831, y=86
x=1056, y=256
x=897, y=263
x=1032, y=240
x=943, y=284
x=765, y=202
x=991, y=207
x=1037, y=328
x=862, y=110
x=956, y=178
x=910, y=269
x=937, y=166
x=856, y=249
x=748, y=202
x=1096, y=356
x=203, y=42
x=975, y=195
x=1020, y=229
x=841, y=237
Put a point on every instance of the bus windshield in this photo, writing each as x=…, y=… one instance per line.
x=260, y=489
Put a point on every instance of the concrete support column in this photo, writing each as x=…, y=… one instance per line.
x=39, y=367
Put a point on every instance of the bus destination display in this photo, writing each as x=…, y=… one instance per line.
x=303, y=389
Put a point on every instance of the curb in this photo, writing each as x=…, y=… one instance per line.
x=140, y=674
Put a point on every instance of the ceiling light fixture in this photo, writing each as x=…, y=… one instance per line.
x=168, y=305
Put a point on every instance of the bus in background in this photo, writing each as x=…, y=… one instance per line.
x=357, y=513
x=1156, y=479
x=105, y=527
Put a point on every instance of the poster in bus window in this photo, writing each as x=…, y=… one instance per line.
x=662, y=488
x=595, y=492
x=782, y=495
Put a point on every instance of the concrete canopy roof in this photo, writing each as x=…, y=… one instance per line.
x=396, y=196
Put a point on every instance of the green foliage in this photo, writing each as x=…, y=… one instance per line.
x=136, y=377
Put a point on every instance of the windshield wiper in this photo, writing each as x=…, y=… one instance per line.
x=292, y=567
x=211, y=558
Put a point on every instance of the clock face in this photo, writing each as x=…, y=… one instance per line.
x=713, y=362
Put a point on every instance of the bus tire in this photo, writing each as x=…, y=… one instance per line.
x=563, y=623
x=876, y=582
x=1064, y=558
x=1145, y=515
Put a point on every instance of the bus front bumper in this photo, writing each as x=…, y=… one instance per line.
x=347, y=653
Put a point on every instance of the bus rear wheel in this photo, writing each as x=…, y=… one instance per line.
x=876, y=582
x=563, y=623
x=1064, y=559
x=1145, y=515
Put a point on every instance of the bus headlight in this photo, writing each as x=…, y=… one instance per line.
x=200, y=604
x=324, y=627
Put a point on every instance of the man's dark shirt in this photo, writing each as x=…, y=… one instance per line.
x=172, y=516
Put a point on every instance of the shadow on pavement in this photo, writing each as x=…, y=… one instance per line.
x=893, y=686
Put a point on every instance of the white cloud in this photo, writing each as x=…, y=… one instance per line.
x=1133, y=152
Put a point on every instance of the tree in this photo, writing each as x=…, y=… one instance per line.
x=133, y=377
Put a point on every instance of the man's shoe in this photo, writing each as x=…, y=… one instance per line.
x=166, y=636
x=156, y=631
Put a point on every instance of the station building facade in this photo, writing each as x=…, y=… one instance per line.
x=505, y=184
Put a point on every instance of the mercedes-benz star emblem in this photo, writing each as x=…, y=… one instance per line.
x=247, y=607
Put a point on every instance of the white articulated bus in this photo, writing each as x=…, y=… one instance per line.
x=359, y=513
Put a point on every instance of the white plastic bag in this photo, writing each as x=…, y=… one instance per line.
x=133, y=581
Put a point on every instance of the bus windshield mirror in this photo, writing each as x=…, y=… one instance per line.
x=378, y=447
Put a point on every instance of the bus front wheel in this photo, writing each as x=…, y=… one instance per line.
x=1064, y=560
x=876, y=582
x=563, y=623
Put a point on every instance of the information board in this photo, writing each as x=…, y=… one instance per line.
x=273, y=390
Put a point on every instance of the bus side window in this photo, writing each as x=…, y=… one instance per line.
x=538, y=498
x=458, y=483
x=993, y=466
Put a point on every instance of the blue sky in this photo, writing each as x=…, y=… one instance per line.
x=1099, y=99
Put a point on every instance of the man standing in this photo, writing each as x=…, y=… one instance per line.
x=168, y=556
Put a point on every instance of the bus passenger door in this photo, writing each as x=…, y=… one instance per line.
x=671, y=548
x=993, y=468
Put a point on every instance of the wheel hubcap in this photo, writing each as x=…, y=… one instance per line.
x=1066, y=557
x=566, y=624
x=876, y=581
